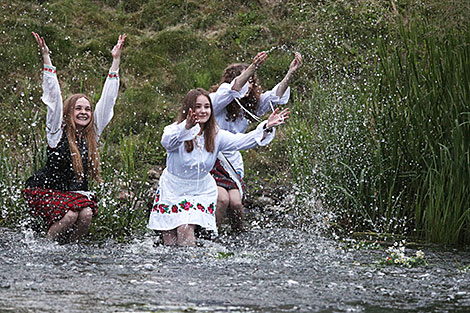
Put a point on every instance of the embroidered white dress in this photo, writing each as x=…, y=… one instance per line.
x=224, y=96
x=187, y=193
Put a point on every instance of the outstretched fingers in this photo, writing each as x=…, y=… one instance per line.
x=191, y=119
x=282, y=117
x=260, y=58
x=41, y=43
x=116, y=52
x=278, y=118
x=121, y=40
x=36, y=36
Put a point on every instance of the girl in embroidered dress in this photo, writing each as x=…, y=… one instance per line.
x=59, y=191
x=237, y=100
x=187, y=193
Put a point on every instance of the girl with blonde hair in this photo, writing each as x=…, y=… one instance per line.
x=59, y=191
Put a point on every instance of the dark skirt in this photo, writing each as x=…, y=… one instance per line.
x=52, y=205
x=223, y=179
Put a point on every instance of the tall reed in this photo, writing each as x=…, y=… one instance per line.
x=390, y=153
x=422, y=125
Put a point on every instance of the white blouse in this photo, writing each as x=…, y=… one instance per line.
x=103, y=112
x=224, y=96
x=199, y=162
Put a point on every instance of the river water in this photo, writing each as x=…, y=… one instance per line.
x=262, y=270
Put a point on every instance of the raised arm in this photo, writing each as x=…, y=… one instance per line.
x=175, y=134
x=246, y=74
x=294, y=66
x=104, y=110
x=43, y=48
x=261, y=136
x=50, y=95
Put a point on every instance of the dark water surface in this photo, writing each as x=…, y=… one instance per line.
x=271, y=270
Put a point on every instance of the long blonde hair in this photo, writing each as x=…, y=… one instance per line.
x=88, y=133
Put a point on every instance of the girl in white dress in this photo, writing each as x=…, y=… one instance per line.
x=237, y=100
x=187, y=193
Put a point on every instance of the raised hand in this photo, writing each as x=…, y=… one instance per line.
x=191, y=119
x=278, y=118
x=116, y=52
x=41, y=43
x=259, y=59
x=43, y=47
x=293, y=67
x=296, y=62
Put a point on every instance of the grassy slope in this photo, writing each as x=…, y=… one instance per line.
x=176, y=45
x=172, y=46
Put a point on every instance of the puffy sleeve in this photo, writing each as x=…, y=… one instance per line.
x=104, y=110
x=175, y=134
x=240, y=141
x=52, y=98
x=225, y=95
x=269, y=98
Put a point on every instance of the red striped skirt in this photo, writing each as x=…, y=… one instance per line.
x=223, y=179
x=52, y=205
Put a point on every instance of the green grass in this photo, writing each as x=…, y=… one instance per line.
x=380, y=123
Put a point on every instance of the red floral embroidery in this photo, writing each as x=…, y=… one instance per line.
x=113, y=75
x=157, y=196
x=185, y=205
x=211, y=208
x=155, y=208
x=163, y=208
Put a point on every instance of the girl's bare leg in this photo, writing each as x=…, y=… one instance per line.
x=62, y=225
x=185, y=234
x=223, y=201
x=169, y=237
x=237, y=213
x=83, y=223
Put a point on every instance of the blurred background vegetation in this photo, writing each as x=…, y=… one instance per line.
x=379, y=136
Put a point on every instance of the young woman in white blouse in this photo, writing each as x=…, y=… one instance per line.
x=238, y=100
x=59, y=192
x=187, y=193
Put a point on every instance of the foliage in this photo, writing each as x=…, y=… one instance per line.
x=422, y=127
x=379, y=130
x=391, y=152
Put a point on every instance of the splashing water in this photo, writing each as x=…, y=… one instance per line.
x=276, y=269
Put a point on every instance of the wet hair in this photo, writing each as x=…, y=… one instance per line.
x=88, y=133
x=249, y=102
x=210, y=127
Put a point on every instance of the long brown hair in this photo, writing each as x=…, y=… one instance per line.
x=249, y=102
x=88, y=133
x=210, y=127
